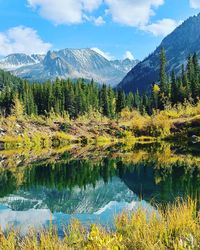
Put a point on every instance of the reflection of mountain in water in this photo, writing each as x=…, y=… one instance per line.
x=97, y=204
x=89, y=200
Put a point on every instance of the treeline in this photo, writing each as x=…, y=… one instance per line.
x=77, y=98
x=62, y=96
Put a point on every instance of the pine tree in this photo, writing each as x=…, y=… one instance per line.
x=121, y=101
x=111, y=102
x=130, y=100
x=163, y=79
x=104, y=105
x=195, y=85
x=174, y=89
x=137, y=100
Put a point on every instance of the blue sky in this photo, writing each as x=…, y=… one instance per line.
x=118, y=28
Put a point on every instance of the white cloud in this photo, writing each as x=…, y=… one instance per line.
x=99, y=21
x=106, y=55
x=128, y=55
x=162, y=27
x=128, y=12
x=132, y=12
x=195, y=4
x=91, y=5
x=22, y=39
x=64, y=11
x=60, y=11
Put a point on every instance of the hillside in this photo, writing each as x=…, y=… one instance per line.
x=7, y=79
x=183, y=41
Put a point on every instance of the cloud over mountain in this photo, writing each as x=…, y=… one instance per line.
x=18, y=40
x=131, y=13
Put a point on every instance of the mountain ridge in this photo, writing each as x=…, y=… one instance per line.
x=67, y=63
x=179, y=44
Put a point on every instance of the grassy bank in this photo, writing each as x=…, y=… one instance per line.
x=180, y=122
x=175, y=227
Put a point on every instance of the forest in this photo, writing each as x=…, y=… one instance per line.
x=77, y=97
x=39, y=118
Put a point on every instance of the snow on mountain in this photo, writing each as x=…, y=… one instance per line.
x=18, y=60
x=68, y=63
x=125, y=65
x=72, y=201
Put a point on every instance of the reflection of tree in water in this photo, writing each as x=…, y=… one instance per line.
x=68, y=175
x=160, y=178
x=166, y=184
x=144, y=179
x=8, y=182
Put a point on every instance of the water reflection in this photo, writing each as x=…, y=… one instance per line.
x=93, y=184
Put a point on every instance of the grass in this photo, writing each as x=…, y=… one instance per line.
x=174, y=227
x=179, y=122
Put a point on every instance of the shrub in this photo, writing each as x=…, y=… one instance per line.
x=160, y=125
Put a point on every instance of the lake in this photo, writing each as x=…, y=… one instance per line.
x=93, y=183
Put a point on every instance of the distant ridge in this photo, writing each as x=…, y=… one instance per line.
x=67, y=63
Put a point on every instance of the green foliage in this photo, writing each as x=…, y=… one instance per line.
x=77, y=98
x=121, y=101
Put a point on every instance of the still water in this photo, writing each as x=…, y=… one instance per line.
x=93, y=184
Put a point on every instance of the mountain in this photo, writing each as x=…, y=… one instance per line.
x=71, y=201
x=125, y=65
x=14, y=61
x=183, y=41
x=37, y=207
x=67, y=63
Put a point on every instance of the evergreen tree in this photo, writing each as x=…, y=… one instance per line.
x=121, y=101
x=195, y=85
x=104, y=103
x=130, y=100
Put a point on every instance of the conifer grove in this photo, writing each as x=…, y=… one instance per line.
x=80, y=96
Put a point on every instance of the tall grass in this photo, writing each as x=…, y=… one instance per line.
x=175, y=227
x=177, y=122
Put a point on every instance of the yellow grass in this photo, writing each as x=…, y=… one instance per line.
x=128, y=127
x=175, y=227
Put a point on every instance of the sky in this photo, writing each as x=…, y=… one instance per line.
x=115, y=28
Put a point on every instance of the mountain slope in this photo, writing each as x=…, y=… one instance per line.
x=7, y=79
x=183, y=41
x=14, y=61
x=68, y=63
